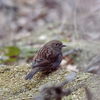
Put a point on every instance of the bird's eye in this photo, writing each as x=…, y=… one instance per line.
x=56, y=44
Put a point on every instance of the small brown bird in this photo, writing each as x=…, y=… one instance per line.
x=48, y=57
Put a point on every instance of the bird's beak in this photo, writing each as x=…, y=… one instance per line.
x=64, y=45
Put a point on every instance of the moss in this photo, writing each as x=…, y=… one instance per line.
x=4, y=69
x=14, y=86
x=77, y=95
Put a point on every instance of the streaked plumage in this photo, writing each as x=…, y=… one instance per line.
x=48, y=57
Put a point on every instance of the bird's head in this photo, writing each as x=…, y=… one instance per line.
x=56, y=45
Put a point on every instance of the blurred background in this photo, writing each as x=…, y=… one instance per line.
x=25, y=25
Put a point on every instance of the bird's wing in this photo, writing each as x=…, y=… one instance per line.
x=41, y=63
x=47, y=59
x=45, y=63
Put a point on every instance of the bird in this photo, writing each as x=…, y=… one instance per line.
x=48, y=57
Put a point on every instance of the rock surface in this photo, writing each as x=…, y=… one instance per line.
x=14, y=86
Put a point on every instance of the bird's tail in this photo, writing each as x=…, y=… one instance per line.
x=32, y=73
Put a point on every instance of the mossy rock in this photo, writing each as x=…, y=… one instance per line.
x=14, y=86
